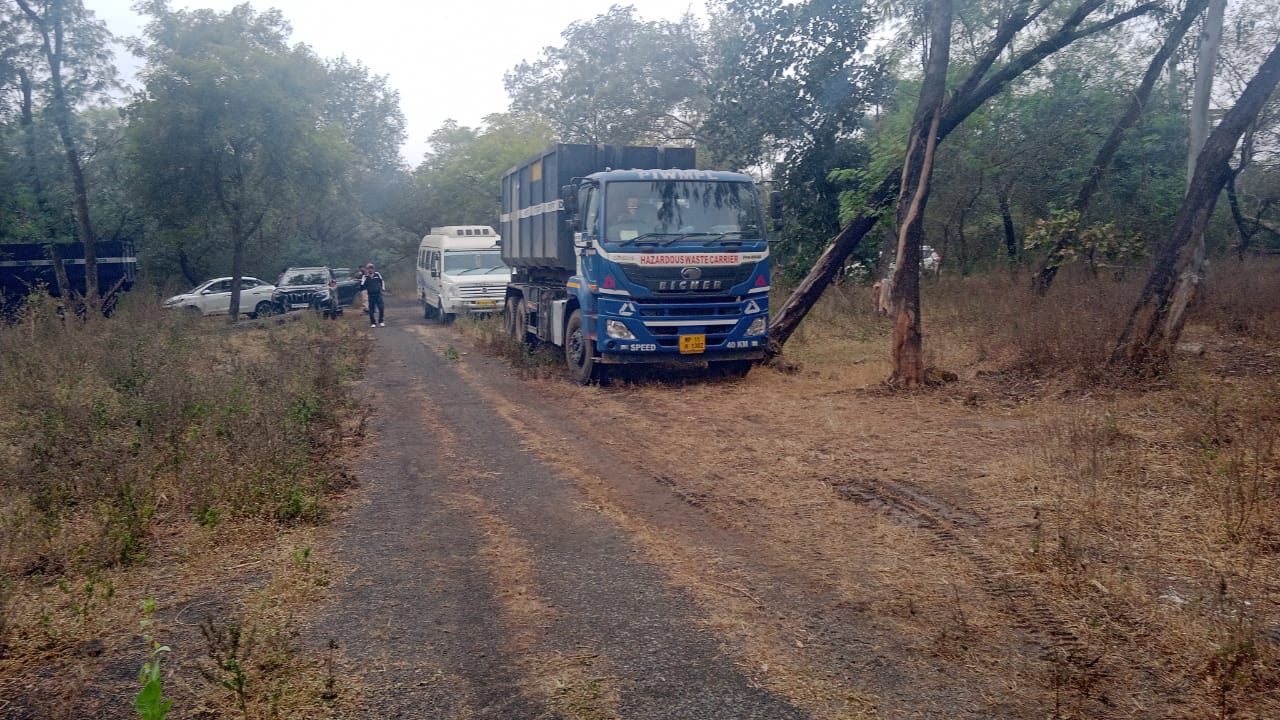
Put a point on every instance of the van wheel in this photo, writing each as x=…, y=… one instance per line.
x=428, y=310
x=577, y=351
x=442, y=316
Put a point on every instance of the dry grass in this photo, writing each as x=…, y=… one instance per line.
x=1064, y=543
x=156, y=455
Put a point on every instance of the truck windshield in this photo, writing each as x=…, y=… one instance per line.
x=473, y=262
x=661, y=211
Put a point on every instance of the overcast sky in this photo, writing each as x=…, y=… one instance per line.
x=445, y=57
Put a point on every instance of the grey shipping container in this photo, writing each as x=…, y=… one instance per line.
x=534, y=235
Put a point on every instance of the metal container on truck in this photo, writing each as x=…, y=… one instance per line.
x=26, y=267
x=624, y=255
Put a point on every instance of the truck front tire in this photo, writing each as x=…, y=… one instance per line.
x=577, y=351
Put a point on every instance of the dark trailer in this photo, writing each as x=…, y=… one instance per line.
x=26, y=267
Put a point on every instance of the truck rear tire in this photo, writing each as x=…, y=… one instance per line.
x=577, y=351
x=516, y=320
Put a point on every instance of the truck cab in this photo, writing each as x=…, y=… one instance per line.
x=673, y=263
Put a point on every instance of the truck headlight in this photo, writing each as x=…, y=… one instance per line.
x=617, y=329
x=759, y=326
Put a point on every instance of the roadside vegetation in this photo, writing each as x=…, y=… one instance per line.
x=143, y=456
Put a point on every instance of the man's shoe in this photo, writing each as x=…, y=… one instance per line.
x=382, y=324
x=373, y=324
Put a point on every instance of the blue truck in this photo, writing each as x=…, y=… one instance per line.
x=26, y=267
x=623, y=255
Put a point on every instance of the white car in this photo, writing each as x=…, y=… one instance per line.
x=214, y=298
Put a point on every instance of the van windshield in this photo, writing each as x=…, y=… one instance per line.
x=473, y=262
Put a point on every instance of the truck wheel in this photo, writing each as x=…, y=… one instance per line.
x=577, y=351
x=517, y=321
x=266, y=308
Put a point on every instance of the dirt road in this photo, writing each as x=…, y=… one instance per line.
x=486, y=584
x=777, y=547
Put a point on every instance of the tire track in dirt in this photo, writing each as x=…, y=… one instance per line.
x=946, y=527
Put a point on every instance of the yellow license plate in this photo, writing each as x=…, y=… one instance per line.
x=486, y=303
x=690, y=344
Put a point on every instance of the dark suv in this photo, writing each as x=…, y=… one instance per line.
x=348, y=285
x=308, y=287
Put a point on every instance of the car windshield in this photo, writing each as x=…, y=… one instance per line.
x=665, y=211
x=307, y=277
x=473, y=262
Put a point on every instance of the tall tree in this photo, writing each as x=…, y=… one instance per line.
x=1156, y=321
x=73, y=45
x=229, y=131
x=363, y=116
x=617, y=79
x=792, y=84
x=1043, y=278
x=458, y=179
x=908, y=365
x=985, y=78
x=1188, y=286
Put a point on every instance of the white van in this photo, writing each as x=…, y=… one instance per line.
x=460, y=270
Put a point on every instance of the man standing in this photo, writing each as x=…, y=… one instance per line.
x=372, y=283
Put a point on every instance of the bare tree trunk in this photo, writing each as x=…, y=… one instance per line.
x=973, y=92
x=1043, y=278
x=908, y=348
x=51, y=28
x=1156, y=322
x=1188, y=288
x=1006, y=218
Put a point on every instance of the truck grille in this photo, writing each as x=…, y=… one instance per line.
x=717, y=320
x=654, y=278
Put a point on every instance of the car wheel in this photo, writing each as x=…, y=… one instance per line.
x=577, y=351
x=266, y=308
